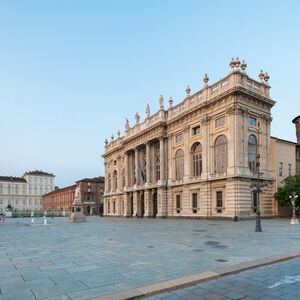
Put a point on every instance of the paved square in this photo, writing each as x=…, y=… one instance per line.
x=108, y=255
x=280, y=281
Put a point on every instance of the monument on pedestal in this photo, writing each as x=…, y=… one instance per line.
x=77, y=214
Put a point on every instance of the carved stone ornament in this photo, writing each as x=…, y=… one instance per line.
x=205, y=120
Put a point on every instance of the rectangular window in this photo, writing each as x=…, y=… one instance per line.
x=108, y=207
x=220, y=122
x=252, y=121
x=219, y=198
x=178, y=138
x=88, y=198
x=280, y=168
x=114, y=206
x=194, y=202
x=290, y=170
x=196, y=130
x=178, y=203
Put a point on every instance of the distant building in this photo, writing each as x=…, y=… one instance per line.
x=91, y=190
x=60, y=199
x=25, y=193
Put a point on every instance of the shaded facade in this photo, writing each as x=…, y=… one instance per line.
x=91, y=194
x=198, y=158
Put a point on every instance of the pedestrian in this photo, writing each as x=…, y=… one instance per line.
x=2, y=218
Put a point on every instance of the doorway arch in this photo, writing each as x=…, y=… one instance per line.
x=142, y=205
x=131, y=205
x=154, y=204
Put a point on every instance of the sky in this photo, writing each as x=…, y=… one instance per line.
x=71, y=71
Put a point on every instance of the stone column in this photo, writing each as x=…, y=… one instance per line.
x=162, y=158
x=136, y=204
x=206, y=157
x=148, y=164
x=148, y=203
x=162, y=203
x=127, y=205
x=126, y=171
x=187, y=165
x=170, y=159
x=136, y=162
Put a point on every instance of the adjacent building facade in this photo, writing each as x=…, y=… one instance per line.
x=198, y=158
x=25, y=193
x=59, y=199
x=283, y=164
x=91, y=195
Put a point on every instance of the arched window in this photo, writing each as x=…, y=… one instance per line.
x=221, y=154
x=252, y=151
x=179, y=164
x=109, y=182
x=115, y=180
x=196, y=159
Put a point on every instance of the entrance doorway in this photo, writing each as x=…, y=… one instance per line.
x=154, y=203
x=131, y=205
x=142, y=205
x=88, y=210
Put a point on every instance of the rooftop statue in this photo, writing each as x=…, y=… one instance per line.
x=126, y=124
x=148, y=111
x=161, y=102
x=137, y=118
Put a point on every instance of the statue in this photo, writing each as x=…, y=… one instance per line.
x=148, y=111
x=161, y=102
x=137, y=118
x=126, y=124
x=77, y=214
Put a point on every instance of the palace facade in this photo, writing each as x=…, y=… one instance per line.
x=25, y=193
x=197, y=158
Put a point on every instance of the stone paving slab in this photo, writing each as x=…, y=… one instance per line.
x=111, y=255
x=277, y=282
x=189, y=281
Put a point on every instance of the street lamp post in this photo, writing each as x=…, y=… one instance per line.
x=258, y=191
x=293, y=198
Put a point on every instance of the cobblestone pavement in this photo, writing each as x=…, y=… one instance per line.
x=109, y=255
x=280, y=281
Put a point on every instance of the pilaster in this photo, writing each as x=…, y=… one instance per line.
x=148, y=164
x=162, y=203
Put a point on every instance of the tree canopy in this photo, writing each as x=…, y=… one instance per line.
x=291, y=185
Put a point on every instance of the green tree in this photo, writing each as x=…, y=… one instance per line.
x=291, y=185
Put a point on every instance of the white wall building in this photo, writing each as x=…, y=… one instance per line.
x=25, y=193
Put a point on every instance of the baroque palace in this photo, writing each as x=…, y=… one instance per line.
x=198, y=158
